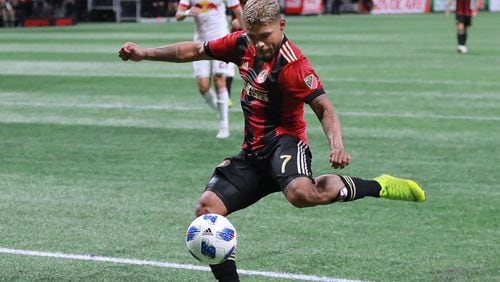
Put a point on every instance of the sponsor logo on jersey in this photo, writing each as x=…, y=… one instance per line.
x=256, y=93
x=311, y=81
x=205, y=6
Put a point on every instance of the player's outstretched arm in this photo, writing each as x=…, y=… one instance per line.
x=330, y=122
x=177, y=52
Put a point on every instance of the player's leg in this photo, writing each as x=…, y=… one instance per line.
x=234, y=185
x=291, y=166
x=466, y=24
x=201, y=70
x=219, y=70
x=326, y=189
x=229, y=82
x=461, y=34
x=210, y=202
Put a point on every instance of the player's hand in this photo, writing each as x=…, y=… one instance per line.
x=194, y=11
x=130, y=51
x=339, y=158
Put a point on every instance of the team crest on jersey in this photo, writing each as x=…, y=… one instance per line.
x=262, y=76
x=311, y=81
x=244, y=66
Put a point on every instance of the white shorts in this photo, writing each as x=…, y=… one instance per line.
x=207, y=68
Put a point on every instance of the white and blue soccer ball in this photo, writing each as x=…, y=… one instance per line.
x=211, y=238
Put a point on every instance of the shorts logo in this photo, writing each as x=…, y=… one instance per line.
x=311, y=81
x=224, y=163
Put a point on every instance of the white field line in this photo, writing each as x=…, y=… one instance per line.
x=283, y=275
x=171, y=70
x=191, y=108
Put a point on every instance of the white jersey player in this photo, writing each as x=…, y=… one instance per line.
x=211, y=23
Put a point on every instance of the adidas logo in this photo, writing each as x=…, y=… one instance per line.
x=208, y=231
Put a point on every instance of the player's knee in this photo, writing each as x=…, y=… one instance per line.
x=299, y=196
x=202, y=208
x=203, y=85
x=219, y=81
x=210, y=203
x=203, y=89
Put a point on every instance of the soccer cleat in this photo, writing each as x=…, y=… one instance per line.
x=400, y=189
x=462, y=49
x=223, y=133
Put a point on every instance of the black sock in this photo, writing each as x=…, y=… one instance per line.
x=461, y=38
x=357, y=188
x=465, y=39
x=229, y=82
x=226, y=271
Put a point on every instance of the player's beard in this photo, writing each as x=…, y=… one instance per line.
x=266, y=55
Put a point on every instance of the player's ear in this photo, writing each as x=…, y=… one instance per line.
x=282, y=23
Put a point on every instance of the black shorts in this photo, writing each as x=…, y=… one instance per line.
x=244, y=179
x=466, y=20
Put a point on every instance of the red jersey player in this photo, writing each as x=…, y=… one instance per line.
x=464, y=11
x=275, y=155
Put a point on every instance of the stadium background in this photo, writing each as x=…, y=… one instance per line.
x=105, y=159
x=68, y=12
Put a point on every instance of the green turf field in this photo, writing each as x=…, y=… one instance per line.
x=107, y=158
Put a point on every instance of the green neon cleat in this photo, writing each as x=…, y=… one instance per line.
x=400, y=189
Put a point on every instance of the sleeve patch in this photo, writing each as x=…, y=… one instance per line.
x=311, y=81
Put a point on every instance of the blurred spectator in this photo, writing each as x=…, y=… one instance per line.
x=332, y=6
x=24, y=10
x=172, y=7
x=366, y=6
x=158, y=9
x=41, y=9
x=7, y=12
x=52, y=8
x=69, y=9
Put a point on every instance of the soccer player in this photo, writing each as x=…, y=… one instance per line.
x=275, y=155
x=211, y=23
x=464, y=11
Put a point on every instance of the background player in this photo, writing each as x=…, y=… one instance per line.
x=235, y=26
x=275, y=155
x=211, y=23
x=464, y=11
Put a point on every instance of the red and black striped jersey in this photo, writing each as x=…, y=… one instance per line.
x=464, y=7
x=274, y=91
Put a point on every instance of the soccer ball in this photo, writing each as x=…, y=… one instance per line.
x=211, y=238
